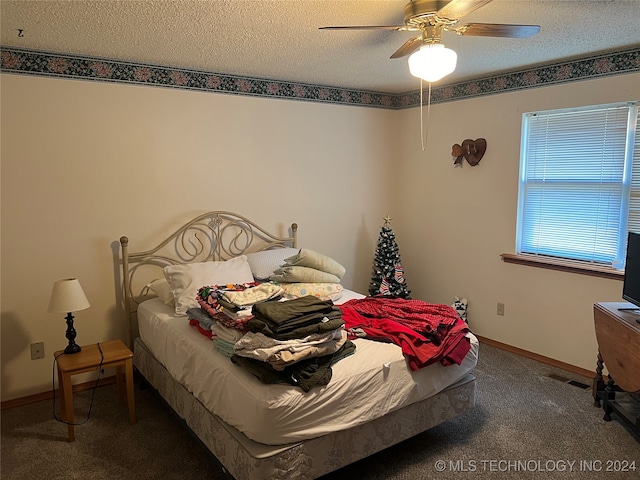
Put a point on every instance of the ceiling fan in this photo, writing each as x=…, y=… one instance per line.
x=430, y=60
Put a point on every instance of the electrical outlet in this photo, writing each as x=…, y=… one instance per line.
x=37, y=350
x=500, y=309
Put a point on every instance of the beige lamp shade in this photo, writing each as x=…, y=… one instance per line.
x=67, y=296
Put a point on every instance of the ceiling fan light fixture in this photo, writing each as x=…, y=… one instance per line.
x=432, y=62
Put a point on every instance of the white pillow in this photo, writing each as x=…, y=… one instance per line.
x=264, y=263
x=162, y=289
x=185, y=280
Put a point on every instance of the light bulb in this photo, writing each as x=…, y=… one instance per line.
x=432, y=62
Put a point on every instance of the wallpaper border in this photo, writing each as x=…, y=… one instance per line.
x=51, y=64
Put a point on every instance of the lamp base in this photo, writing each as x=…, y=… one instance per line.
x=72, y=349
x=71, y=336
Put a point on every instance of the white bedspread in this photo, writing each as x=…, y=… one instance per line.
x=366, y=385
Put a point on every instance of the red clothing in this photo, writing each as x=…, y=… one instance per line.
x=204, y=331
x=426, y=332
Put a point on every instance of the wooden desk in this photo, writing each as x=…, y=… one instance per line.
x=618, y=335
x=114, y=354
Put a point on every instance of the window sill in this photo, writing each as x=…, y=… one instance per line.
x=563, y=265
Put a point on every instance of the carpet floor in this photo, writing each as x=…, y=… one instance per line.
x=530, y=421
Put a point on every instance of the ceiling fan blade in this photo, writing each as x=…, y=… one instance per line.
x=409, y=47
x=371, y=27
x=497, y=30
x=456, y=9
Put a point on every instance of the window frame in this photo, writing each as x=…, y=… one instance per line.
x=589, y=267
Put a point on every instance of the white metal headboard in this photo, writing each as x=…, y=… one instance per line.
x=212, y=236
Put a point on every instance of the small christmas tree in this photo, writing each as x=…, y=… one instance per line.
x=388, y=274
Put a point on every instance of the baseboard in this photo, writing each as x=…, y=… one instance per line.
x=540, y=358
x=48, y=395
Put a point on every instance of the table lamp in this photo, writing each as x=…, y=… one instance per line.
x=67, y=296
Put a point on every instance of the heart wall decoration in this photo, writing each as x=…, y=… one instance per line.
x=471, y=150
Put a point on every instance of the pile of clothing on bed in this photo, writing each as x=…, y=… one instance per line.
x=426, y=332
x=294, y=341
x=275, y=335
x=283, y=339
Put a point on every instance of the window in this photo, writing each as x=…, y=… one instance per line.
x=579, y=190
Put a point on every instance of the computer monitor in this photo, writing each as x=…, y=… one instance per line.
x=631, y=286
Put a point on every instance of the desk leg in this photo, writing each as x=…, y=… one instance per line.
x=67, y=394
x=598, y=381
x=610, y=394
x=130, y=392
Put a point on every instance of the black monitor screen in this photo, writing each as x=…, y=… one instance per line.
x=631, y=287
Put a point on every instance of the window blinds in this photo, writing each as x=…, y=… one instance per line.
x=634, y=196
x=574, y=188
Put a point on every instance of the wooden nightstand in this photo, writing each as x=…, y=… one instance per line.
x=114, y=354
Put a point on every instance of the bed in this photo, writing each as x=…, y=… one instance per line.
x=258, y=431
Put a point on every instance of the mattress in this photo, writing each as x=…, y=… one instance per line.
x=364, y=386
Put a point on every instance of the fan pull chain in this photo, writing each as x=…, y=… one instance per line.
x=424, y=135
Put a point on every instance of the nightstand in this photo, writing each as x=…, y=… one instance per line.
x=114, y=354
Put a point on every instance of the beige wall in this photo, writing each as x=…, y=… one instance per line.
x=86, y=162
x=452, y=224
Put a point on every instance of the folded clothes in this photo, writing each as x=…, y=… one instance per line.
x=231, y=310
x=282, y=312
x=207, y=333
x=305, y=374
x=230, y=335
x=282, y=353
x=224, y=347
x=209, y=297
x=255, y=325
x=201, y=316
x=295, y=318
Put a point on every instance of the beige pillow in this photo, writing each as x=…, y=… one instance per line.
x=161, y=288
x=185, y=280
x=309, y=258
x=323, y=291
x=302, y=275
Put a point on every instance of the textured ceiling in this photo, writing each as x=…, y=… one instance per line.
x=280, y=40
